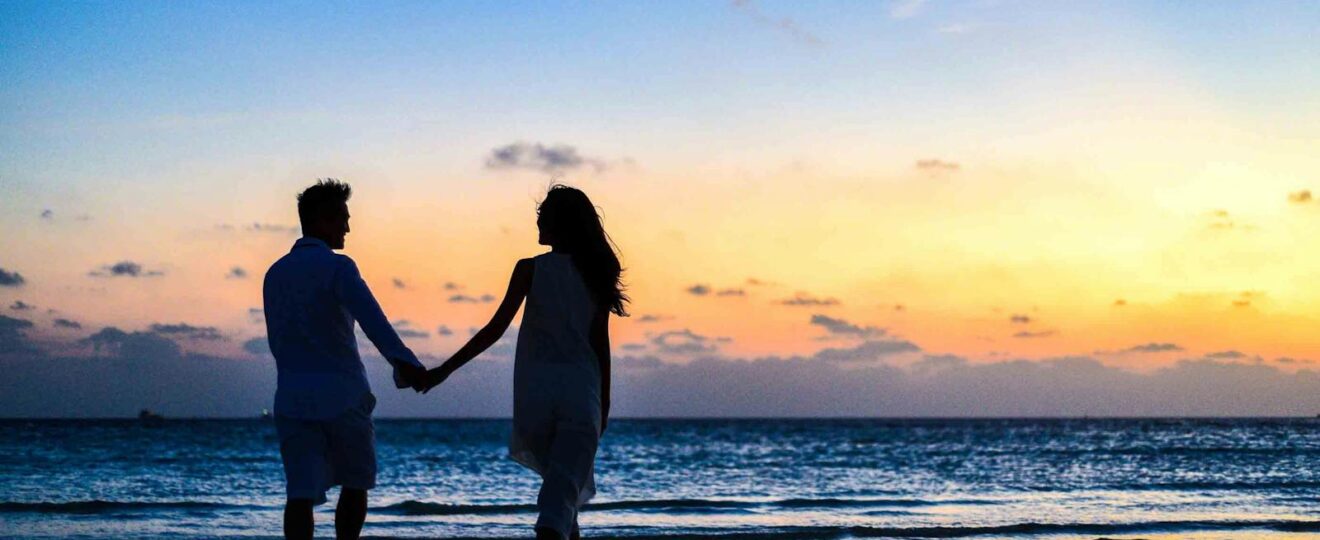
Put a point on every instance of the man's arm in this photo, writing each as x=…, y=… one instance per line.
x=354, y=295
x=600, y=342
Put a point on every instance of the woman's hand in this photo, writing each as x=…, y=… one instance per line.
x=433, y=378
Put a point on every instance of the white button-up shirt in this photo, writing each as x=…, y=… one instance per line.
x=312, y=297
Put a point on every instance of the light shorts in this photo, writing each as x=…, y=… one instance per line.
x=320, y=454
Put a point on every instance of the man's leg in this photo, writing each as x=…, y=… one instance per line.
x=353, y=455
x=302, y=449
x=350, y=514
x=298, y=522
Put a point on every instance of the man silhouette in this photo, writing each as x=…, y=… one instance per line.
x=322, y=401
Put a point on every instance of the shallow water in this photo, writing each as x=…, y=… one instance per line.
x=694, y=478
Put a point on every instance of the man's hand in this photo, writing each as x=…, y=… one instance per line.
x=419, y=384
x=413, y=375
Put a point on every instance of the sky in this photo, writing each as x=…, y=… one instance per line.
x=906, y=208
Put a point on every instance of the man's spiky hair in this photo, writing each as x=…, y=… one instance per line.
x=324, y=195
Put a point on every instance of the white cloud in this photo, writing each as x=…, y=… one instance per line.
x=905, y=9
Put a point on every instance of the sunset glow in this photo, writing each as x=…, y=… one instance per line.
x=989, y=180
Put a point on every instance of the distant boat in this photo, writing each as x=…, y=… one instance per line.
x=147, y=417
x=265, y=414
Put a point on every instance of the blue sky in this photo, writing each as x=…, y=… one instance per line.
x=988, y=180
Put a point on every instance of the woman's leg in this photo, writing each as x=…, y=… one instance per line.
x=567, y=472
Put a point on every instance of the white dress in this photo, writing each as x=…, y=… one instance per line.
x=556, y=391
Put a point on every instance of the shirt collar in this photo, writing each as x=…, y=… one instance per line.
x=308, y=241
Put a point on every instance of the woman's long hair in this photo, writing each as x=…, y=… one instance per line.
x=570, y=221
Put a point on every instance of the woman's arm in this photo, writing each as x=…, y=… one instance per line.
x=519, y=284
x=600, y=342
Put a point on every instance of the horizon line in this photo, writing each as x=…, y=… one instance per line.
x=685, y=418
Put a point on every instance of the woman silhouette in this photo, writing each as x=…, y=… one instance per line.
x=561, y=377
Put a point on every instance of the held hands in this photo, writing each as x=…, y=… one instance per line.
x=413, y=375
x=420, y=379
x=431, y=379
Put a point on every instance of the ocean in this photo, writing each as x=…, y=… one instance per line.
x=838, y=478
